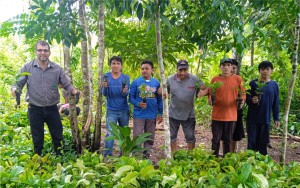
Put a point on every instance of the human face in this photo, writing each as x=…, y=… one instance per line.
x=226, y=69
x=234, y=69
x=147, y=71
x=265, y=73
x=116, y=66
x=42, y=53
x=182, y=74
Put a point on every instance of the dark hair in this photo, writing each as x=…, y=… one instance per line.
x=117, y=58
x=43, y=43
x=235, y=62
x=147, y=62
x=265, y=64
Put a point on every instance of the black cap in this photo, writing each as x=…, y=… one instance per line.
x=235, y=62
x=182, y=64
x=225, y=60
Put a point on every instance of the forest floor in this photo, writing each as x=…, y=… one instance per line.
x=203, y=140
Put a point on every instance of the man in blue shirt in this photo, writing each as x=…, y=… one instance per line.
x=115, y=89
x=147, y=112
x=262, y=102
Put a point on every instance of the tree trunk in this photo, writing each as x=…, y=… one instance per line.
x=201, y=52
x=90, y=60
x=252, y=48
x=288, y=99
x=87, y=111
x=73, y=116
x=164, y=82
x=239, y=58
x=101, y=52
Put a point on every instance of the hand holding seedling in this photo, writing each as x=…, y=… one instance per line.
x=255, y=99
x=13, y=92
x=202, y=93
x=159, y=119
x=242, y=104
x=124, y=89
x=105, y=82
x=143, y=105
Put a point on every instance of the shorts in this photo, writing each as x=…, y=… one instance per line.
x=188, y=127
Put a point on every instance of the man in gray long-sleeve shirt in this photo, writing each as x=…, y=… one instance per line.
x=43, y=96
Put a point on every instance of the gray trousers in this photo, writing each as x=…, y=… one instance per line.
x=141, y=126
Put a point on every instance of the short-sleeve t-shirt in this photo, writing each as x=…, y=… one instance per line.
x=182, y=96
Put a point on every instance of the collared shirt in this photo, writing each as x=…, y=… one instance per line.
x=42, y=85
x=182, y=95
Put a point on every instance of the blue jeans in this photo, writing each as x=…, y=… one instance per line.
x=120, y=117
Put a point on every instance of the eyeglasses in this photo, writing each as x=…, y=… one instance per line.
x=41, y=50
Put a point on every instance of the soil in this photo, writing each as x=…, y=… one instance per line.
x=203, y=136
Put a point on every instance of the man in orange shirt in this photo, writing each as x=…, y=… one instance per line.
x=224, y=112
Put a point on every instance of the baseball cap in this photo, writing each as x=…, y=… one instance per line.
x=182, y=64
x=225, y=60
x=235, y=62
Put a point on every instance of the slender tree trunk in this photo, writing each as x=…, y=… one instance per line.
x=199, y=67
x=288, y=99
x=239, y=58
x=73, y=117
x=101, y=53
x=252, y=49
x=164, y=83
x=87, y=111
x=90, y=60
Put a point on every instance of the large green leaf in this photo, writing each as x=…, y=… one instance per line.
x=140, y=11
x=262, y=180
x=246, y=170
x=122, y=171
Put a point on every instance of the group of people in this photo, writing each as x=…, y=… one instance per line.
x=227, y=111
x=145, y=95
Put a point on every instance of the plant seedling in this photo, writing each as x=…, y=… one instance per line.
x=258, y=91
x=213, y=87
x=145, y=92
x=18, y=90
x=127, y=144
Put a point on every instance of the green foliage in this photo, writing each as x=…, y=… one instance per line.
x=127, y=144
x=197, y=168
x=259, y=87
x=214, y=86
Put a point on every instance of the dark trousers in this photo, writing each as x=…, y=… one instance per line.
x=49, y=115
x=222, y=130
x=258, y=137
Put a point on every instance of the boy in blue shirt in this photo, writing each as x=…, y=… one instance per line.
x=115, y=89
x=262, y=102
x=146, y=113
